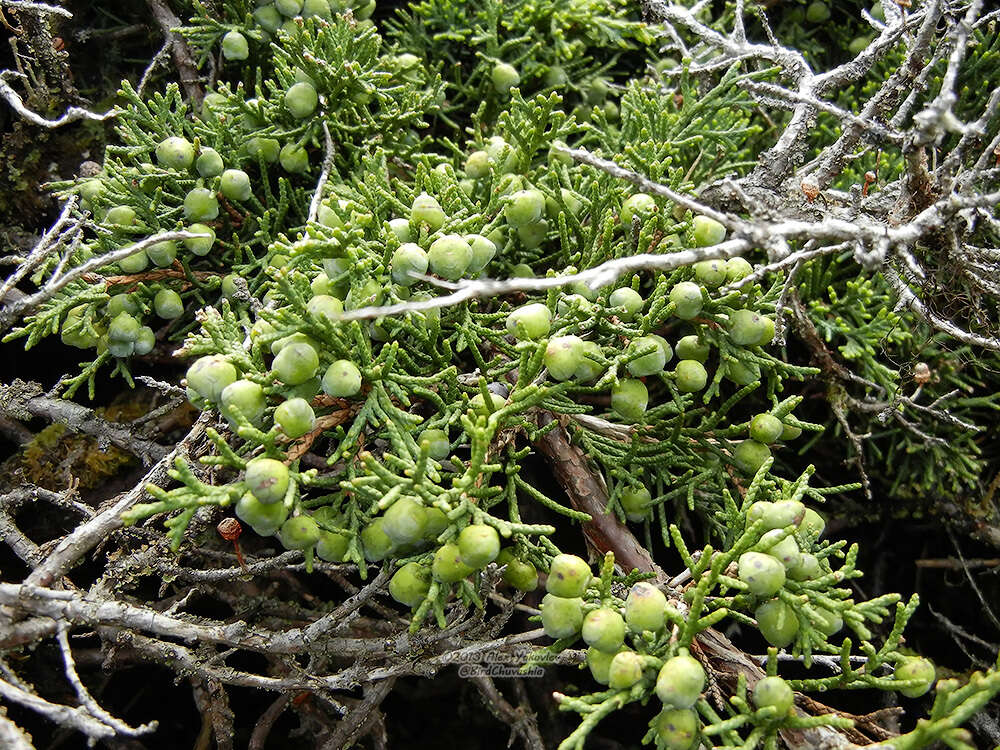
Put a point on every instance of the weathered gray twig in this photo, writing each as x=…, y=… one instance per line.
x=907, y=298
x=34, y=7
x=522, y=723
x=12, y=736
x=87, y=701
x=63, y=228
x=596, y=277
x=71, y=549
x=72, y=114
x=15, y=402
x=59, y=281
x=75, y=718
x=353, y=726
x=324, y=176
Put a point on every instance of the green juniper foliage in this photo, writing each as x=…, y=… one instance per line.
x=340, y=165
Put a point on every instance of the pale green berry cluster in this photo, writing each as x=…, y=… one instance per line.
x=786, y=553
x=448, y=255
x=598, y=96
x=625, y=647
x=273, y=16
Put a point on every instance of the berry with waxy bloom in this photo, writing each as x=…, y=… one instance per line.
x=915, y=668
x=235, y=47
x=680, y=681
x=775, y=693
x=645, y=608
x=562, y=617
x=569, y=576
x=301, y=99
x=295, y=417
x=175, y=152
x=763, y=574
x=604, y=629
x=625, y=670
x=410, y=584
x=478, y=545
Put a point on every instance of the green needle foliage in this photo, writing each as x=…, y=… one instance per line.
x=382, y=159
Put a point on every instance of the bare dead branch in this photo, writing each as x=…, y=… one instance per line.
x=353, y=726
x=59, y=281
x=12, y=736
x=87, y=701
x=14, y=403
x=72, y=114
x=324, y=176
x=34, y=7
x=71, y=549
x=183, y=57
x=522, y=724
